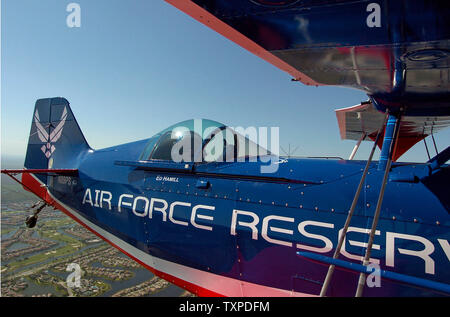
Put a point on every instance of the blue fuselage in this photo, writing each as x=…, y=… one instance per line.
x=250, y=228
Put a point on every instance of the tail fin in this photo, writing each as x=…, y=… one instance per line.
x=55, y=139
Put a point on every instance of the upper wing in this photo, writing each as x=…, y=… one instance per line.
x=357, y=121
x=396, y=51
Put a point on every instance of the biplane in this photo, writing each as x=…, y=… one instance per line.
x=213, y=223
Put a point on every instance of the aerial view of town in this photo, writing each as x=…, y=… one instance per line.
x=40, y=262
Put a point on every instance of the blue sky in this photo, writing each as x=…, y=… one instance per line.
x=135, y=67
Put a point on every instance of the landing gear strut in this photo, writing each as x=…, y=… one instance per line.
x=32, y=220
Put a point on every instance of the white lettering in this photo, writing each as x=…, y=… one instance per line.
x=251, y=225
x=87, y=197
x=160, y=209
x=96, y=198
x=358, y=244
x=121, y=202
x=104, y=199
x=144, y=213
x=445, y=246
x=328, y=244
x=172, y=207
x=201, y=218
x=265, y=226
x=204, y=217
x=423, y=254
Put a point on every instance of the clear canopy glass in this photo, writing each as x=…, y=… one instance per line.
x=202, y=141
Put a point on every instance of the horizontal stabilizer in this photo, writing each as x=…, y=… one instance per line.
x=41, y=171
x=26, y=174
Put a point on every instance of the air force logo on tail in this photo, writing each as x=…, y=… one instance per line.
x=48, y=148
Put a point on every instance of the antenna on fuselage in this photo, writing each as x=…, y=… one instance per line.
x=289, y=153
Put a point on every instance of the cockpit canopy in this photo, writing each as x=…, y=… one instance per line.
x=202, y=141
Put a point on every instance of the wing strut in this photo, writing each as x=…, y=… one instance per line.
x=327, y=281
x=387, y=152
x=355, y=149
x=402, y=278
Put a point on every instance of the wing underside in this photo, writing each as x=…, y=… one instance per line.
x=398, y=52
x=363, y=121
